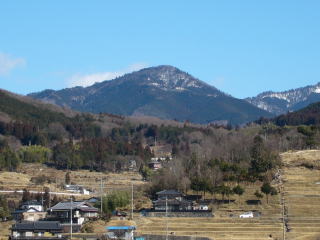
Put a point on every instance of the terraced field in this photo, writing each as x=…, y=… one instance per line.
x=302, y=194
x=222, y=226
x=214, y=228
x=300, y=190
x=91, y=180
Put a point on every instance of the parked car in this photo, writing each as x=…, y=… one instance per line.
x=246, y=215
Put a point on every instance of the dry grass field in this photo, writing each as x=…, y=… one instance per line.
x=302, y=194
x=222, y=226
x=300, y=190
x=5, y=229
x=91, y=180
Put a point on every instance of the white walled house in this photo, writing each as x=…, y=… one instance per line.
x=76, y=189
x=81, y=212
x=32, y=204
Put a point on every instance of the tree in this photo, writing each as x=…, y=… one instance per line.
x=34, y=153
x=4, y=209
x=26, y=196
x=267, y=189
x=46, y=197
x=68, y=178
x=258, y=195
x=238, y=190
x=145, y=172
x=8, y=159
x=115, y=200
x=225, y=191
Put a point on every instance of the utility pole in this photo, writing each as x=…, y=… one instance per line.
x=283, y=214
x=101, y=195
x=49, y=199
x=71, y=218
x=166, y=217
x=131, y=201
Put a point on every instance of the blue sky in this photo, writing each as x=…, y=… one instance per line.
x=241, y=47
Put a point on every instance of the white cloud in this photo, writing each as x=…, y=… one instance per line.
x=8, y=63
x=219, y=82
x=85, y=80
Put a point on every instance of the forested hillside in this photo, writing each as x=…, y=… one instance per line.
x=309, y=115
x=203, y=156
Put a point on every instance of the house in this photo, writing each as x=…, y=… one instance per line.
x=204, y=205
x=36, y=230
x=32, y=204
x=93, y=200
x=132, y=165
x=169, y=194
x=172, y=205
x=246, y=215
x=155, y=165
x=81, y=211
x=158, y=159
x=171, y=200
x=29, y=211
x=162, y=151
x=76, y=189
x=30, y=214
x=121, y=232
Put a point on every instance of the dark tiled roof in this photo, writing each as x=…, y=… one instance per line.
x=82, y=205
x=169, y=192
x=38, y=226
x=93, y=200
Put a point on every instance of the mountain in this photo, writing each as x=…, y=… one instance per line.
x=163, y=91
x=282, y=102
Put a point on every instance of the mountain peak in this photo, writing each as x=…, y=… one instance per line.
x=163, y=91
x=168, y=77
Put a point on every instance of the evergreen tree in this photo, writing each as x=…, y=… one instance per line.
x=238, y=190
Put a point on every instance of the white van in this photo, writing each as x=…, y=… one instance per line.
x=246, y=215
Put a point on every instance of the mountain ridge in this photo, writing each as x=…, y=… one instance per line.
x=286, y=101
x=163, y=91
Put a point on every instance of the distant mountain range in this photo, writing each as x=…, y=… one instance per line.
x=287, y=101
x=164, y=91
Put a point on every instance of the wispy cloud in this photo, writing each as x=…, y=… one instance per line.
x=219, y=82
x=85, y=80
x=8, y=63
